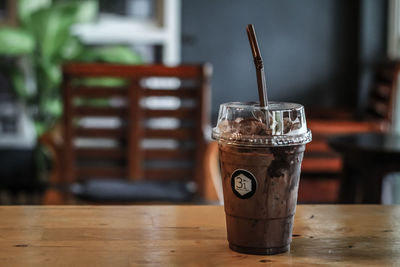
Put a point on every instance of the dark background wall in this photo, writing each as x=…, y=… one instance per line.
x=311, y=48
x=372, y=44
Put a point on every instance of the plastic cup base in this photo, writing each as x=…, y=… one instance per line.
x=259, y=251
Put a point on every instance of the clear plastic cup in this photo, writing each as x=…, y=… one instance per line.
x=260, y=154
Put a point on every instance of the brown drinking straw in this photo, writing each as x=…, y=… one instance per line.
x=258, y=62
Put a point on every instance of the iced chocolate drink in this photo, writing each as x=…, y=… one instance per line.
x=260, y=166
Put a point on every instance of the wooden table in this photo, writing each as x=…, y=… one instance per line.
x=190, y=235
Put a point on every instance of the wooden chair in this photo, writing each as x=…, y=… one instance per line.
x=156, y=119
x=322, y=166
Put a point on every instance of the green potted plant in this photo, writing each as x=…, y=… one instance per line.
x=33, y=52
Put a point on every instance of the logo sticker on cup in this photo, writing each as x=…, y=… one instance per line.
x=243, y=184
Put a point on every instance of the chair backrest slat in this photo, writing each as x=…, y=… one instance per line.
x=188, y=93
x=98, y=153
x=179, y=113
x=101, y=112
x=153, y=154
x=100, y=92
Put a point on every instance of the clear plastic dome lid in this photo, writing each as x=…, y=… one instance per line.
x=245, y=124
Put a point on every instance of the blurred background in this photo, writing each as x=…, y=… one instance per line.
x=327, y=55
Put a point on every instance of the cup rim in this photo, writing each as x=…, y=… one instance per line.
x=263, y=141
x=273, y=105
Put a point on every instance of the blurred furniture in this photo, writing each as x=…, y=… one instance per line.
x=140, y=141
x=324, y=235
x=321, y=165
x=367, y=158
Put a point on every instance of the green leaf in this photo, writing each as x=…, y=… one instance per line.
x=49, y=109
x=87, y=11
x=52, y=107
x=111, y=54
x=72, y=49
x=49, y=75
x=51, y=29
x=15, y=42
x=51, y=26
x=18, y=82
x=40, y=127
x=43, y=159
x=25, y=8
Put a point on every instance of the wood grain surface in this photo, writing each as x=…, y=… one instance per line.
x=190, y=235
